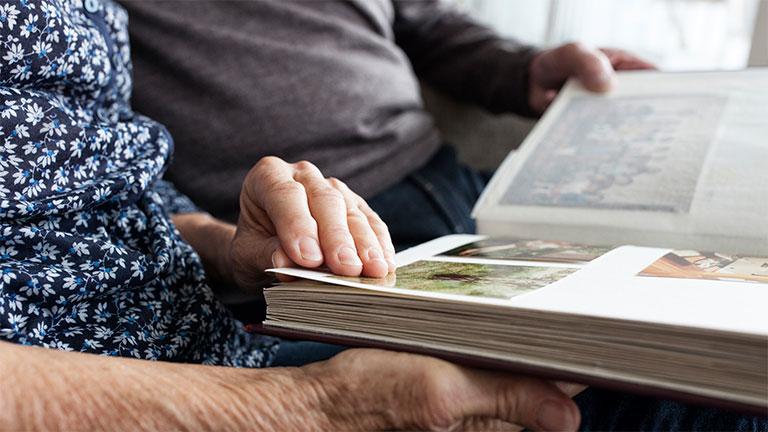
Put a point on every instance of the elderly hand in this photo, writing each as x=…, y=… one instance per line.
x=373, y=389
x=291, y=215
x=595, y=68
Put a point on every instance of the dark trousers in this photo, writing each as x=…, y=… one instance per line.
x=434, y=201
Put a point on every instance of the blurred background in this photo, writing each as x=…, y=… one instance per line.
x=675, y=34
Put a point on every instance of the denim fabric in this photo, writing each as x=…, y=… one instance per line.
x=300, y=353
x=434, y=201
x=603, y=410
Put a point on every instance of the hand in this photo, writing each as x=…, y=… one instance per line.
x=374, y=389
x=594, y=68
x=291, y=215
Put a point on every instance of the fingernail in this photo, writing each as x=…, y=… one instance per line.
x=375, y=255
x=310, y=249
x=553, y=416
x=273, y=259
x=348, y=256
x=390, y=259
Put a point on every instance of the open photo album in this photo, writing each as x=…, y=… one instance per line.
x=625, y=246
x=665, y=159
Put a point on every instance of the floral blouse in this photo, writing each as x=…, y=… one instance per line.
x=89, y=259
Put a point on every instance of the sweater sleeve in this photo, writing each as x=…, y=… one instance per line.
x=463, y=58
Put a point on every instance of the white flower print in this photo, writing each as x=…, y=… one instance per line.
x=8, y=109
x=89, y=259
x=55, y=127
x=41, y=48
x=15, y=53
x=21, y=72
x=30, y=26
x=8, y=14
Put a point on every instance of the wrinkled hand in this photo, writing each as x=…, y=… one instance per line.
x=374, y=389
x=290, y=215
x=595, y=68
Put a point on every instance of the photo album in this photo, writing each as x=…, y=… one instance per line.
x=624, y=245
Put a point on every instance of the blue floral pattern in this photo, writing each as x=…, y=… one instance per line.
x=89, y=259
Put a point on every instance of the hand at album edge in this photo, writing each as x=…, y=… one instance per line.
x=291, y=215
x=595, y=69
x=375, y=389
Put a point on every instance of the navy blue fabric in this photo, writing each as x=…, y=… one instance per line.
x=603, y=410
x=434, y=201
x=89, y=258
x=300, y=353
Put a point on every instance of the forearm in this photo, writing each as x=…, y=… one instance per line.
x=46, y=389
x=211, y=239
x=462, y=57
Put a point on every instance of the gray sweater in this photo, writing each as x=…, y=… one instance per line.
x=333, y=82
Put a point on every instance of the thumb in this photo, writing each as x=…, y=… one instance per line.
x=280, y=259
x=589, y=65
x=532, y=403
x=252, y=254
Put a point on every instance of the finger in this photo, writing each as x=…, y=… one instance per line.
x=540, y=99
x=281, y=260
x=526, y=401
x=382, y=234
x=570, y=389
x=370, y=232
x=271, y=186
x=623, y=60
x=250, y=256
x=588, y=64
x=367, y=245
x=329, y=210
x=487, y=424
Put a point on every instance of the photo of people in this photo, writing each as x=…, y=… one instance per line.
x=709, y=265
x=628, y=153
x=477, y=280
x=534, y=250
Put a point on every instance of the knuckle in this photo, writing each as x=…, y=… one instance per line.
x=574, y=47
x=279, y=189
x=304, y=166
x=298, y=225
x=325, y=191
x=356, y=214
x=440, y=404
x=377, y=224
x=508, y=404
x=336, y=183
x=268, y=163
x=440, y=411
x=335, y=230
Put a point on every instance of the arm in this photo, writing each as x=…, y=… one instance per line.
x=46, y=389
x=463, y=58
x=471, y=62
x=358, y=389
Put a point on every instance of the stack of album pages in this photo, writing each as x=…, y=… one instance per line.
x=667, y=176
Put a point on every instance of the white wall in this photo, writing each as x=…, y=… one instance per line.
x=675, y=34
